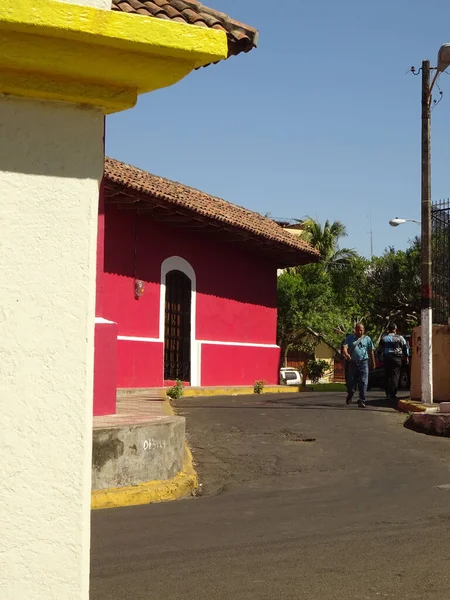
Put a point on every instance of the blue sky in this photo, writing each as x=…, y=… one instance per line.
x=321, y=119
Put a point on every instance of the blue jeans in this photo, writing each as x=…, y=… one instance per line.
x=358, y=371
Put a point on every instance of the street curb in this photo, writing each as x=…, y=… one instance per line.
x=192, y=392
x=238, y=391
x=407, y=406
x=183, y=484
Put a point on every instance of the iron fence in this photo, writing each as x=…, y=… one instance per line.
x=440, y=243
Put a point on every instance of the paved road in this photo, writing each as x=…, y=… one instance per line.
x=303, y=498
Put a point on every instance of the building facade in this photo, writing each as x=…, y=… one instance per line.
x=187, y=287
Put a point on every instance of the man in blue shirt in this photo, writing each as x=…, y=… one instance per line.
x=358, y=349
x=394, y=350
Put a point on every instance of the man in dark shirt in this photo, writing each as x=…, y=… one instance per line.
x=394, y=349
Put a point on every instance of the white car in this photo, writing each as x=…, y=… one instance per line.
x=289, y=376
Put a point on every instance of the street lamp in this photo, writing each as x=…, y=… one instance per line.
x=396, y=222
x=426, y=316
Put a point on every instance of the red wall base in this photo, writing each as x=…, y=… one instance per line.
x=105, y=368
x=140, y=364
x=239, y=365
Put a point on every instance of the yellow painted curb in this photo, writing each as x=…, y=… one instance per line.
x=183, y=484
x=237, y=391
x=408, y=406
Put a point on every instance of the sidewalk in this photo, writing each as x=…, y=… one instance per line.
x=140, y=454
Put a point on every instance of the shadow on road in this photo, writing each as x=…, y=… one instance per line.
x=298, y=403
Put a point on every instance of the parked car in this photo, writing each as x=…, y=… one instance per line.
x=289, y=376
x=376, y=376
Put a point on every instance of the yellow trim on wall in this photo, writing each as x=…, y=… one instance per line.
x=52, y=50
x=111, y=99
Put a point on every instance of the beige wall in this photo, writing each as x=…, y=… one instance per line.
x=324, y=352
x=51, y=164
x=297, y=232
x=441, y=363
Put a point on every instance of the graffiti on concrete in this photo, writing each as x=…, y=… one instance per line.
x=153, y=444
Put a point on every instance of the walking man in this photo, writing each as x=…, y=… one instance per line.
x=347, y=363
x=358, y=349
x=394, y=349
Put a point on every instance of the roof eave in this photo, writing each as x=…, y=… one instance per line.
x=284, y=255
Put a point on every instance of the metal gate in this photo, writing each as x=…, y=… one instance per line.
x=177, y=329
x=440, y=243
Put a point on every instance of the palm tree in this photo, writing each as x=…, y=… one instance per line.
x=326, y=240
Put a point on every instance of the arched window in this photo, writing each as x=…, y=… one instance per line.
x=177, y=327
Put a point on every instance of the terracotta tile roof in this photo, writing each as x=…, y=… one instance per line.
x=213, y=209
x=241, y=38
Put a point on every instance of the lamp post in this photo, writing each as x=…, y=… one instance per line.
x=426, y=315
x=396, y=222
x=425, y=272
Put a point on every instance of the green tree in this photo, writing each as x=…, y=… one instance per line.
x=328, y=298
x=352, y=294
x=326, y=240
x=393, y=289
x=306, y=310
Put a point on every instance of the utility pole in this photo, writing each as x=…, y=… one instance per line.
x=426, y=291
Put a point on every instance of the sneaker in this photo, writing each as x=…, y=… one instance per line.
x=349, y=399
x=362, y=403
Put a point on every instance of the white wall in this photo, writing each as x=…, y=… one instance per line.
x=104, y=4
x=51, y=163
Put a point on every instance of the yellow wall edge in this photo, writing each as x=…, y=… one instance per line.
x=110, y=98
x=55, y=51
x=114, y=29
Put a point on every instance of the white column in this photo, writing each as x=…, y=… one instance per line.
x=51, y=164
x=427, y=356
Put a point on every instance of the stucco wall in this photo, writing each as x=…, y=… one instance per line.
x=324, y=352
x=139, y=364
x=239, y=365
x=105, y=367
x=51, y=162
x=104, y=4
x=235, y=294
x=441, y=363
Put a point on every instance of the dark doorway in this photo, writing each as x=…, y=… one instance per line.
x=177, y=327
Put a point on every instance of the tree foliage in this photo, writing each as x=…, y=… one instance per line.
x=326, y=300
x=306, y=309
x=326, y=240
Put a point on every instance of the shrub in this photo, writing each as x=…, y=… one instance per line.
x=316, y=369
x=176, y=391
x=258, y=386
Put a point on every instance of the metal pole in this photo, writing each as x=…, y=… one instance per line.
x=426, y=293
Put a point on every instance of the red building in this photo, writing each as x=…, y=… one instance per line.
x=186, y=287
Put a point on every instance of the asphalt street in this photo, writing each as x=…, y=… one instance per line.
x=302, y=498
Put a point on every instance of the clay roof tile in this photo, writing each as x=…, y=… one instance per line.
x=148, y=186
